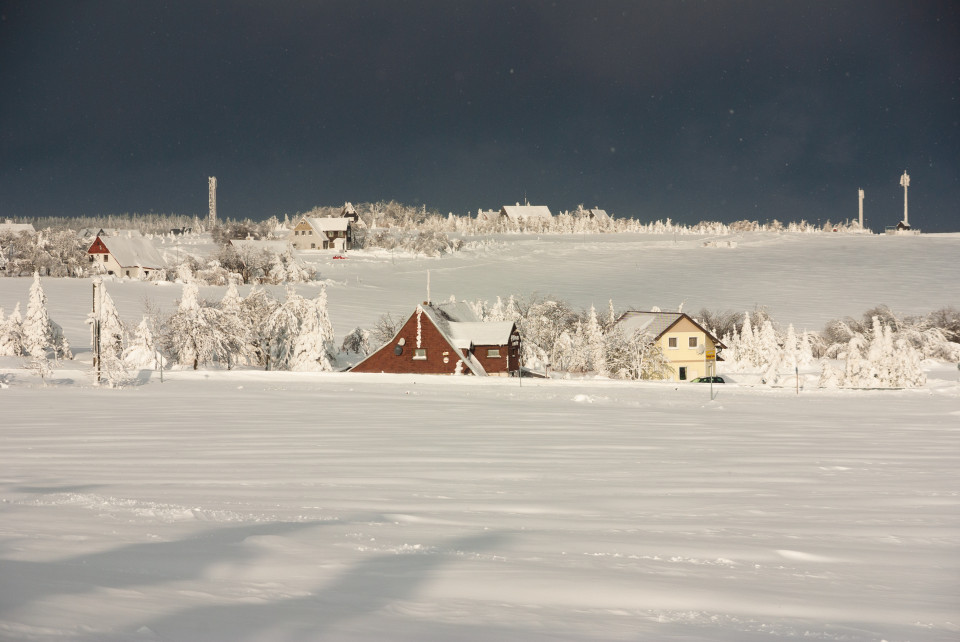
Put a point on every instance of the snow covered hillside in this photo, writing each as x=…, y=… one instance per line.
x=251, y=505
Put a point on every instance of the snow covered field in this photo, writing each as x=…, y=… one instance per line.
x=252, y=505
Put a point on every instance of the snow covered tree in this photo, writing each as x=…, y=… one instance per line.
x=11, y=334
x=199, y=333
x=37, y=329
x=885, y=362
x=634, y=356
x=257, y=308
x=111, y=340
x=141, y=352
x=593, y=344
x=313, y=345
x=278, y=271
x=357, y=342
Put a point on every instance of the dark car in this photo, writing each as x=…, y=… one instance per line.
x=708, y=380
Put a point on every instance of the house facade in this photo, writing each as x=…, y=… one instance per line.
x=130, y=256
x=433, y=341
x=330, y=233
x=684, y=342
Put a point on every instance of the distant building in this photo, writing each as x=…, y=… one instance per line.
x=131, y=256
x=522, y=213
x=598, y=215
x=683, y=341
x=348, y=211
x=330, y=233
x=10, y=227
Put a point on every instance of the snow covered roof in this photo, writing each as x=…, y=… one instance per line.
x=598, y=214
x=133, y=251
x=488, y=215
x=481, y=333
x=656, y=323
x=16, y=228
x=329, y=224
x=653, y=323
x=526, y=212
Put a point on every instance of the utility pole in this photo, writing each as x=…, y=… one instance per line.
x=95, y=321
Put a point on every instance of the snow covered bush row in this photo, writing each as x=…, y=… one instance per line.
x=254, y=331
x=880, y=350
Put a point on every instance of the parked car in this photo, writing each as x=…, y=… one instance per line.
x=708, y=380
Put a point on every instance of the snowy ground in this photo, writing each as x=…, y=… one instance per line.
x=248, y=505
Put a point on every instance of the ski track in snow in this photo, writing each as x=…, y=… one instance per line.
x=247, y=505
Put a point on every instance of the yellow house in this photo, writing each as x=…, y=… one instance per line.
x=691, y=350
x=330, y=233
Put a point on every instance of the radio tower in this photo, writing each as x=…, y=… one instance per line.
x=213, y=201
x=905, y=181
x=861, y=209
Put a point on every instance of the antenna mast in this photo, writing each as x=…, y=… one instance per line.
x=905, y=181
x=212, y=182
x=861, y=209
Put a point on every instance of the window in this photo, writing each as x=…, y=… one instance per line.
x=692, y=342
x=672, y=342
x=493, y=353
x=683, y=373
x=420, y=354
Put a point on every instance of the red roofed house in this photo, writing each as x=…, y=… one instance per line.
x=124, y=256
x=448, y=339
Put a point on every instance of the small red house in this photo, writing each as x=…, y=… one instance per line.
x=124, y=256
x=434, y=341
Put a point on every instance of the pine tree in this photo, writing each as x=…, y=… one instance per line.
x=11, y=338
x=594, y=344
x=111, y=341
x=37, y=330
x=313, y=346
x=857, y=371
x=278, y=271
x=141, y=352
x=11, y=334
x=746, y=345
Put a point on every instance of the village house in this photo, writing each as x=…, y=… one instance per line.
x=132, y=256
x=330, y=233
x=684, y=342
x=523, y=213
x=597, y=214
x=9, y=227
x=350, y=212
x=448, y=339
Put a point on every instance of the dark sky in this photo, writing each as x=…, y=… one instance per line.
x=698, y=110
